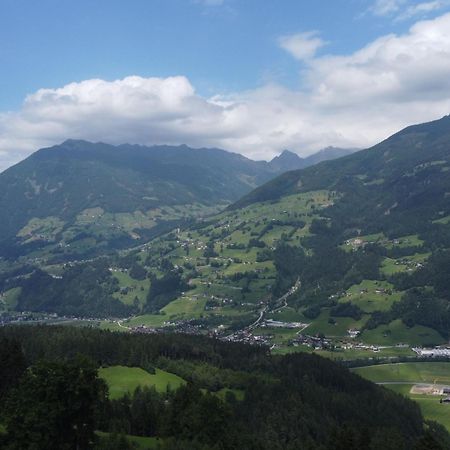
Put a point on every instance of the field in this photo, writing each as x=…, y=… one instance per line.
x=122, y=380
x=409, y=263
x=372, y=295
x=235, y=279
x=408, y=374
x=420, y=372
x=397, y=332
x=337, y=329
x=342, y=354
x=8, y=300
x=132, y=289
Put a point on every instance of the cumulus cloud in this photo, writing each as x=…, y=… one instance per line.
x=346, y=100
x=302, y=46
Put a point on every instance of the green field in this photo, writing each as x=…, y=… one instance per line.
x=122, y=380
x=372, y=295
x=425, y=372
x=397, y=332
x=341, y=354
x=338, y=329
x=409, y=374
x=280, y=336
x=133, y=289
x=409, y=263
x=9, y=299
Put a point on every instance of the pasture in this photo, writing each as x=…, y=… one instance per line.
x=408, y=374
x=397, y=332
x=122, y=380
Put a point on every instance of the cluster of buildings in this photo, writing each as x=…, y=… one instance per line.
x=270, y=323
x=247, y=337
x=436, y=352
x=315, y=342
x=178, y=326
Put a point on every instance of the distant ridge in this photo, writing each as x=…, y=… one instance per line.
x=88, y=197
x=384, y=163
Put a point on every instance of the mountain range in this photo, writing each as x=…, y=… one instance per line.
x=82, y=198
x=358, y=243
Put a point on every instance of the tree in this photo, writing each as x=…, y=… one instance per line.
x=12, y=365
x=54, y=407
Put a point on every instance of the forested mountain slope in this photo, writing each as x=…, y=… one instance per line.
x=81, y=198
x=292, y=402
x=364, y=239
x=388, y=223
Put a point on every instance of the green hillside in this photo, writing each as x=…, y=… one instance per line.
x=81, y=198
x=318, y=401
x=122, y=380
x=354, y=252
x=403, y=377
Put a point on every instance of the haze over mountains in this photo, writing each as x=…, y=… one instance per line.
x=84, y=194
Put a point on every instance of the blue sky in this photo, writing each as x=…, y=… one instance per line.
x=231, y=59
x=226, y=46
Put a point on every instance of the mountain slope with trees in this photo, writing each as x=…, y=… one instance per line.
x=81, y=198
x=291, y=402
x=389, y=222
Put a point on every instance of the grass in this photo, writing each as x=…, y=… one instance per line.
x=410, y=263
x=235, y=228
x=46, y=228
x=148, y=320
x=288, y=314
x=338, y=329
x=340, y=354
x=280, y=336
x=371, y=295
x=111, y=326
x=443, y=221
x=10, y=298
x=425, y=372
x=397, y=332
x=122, y=380
x=411, y=240
x=185, y=307
x=135, y=289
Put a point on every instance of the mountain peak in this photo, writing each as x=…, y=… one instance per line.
x=285, y=155
x=75, y=142
x=286, y=160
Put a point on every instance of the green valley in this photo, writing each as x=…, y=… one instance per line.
x=327, y=259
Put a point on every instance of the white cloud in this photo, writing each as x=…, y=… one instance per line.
x=302, y=46
x=422, y=9
x=352, y=100
x=386, y=7
x=406, y=9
